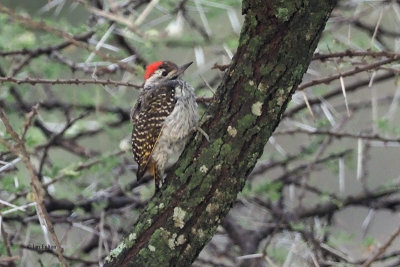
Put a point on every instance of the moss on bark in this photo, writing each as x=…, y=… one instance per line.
x=275, y=48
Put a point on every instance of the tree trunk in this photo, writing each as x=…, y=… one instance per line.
x=275, y=48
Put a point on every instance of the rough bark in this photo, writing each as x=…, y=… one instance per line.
x=275, y=48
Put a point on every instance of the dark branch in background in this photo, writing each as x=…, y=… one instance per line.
x=329, y=79
x=338, y=91
x=339, y=135
x=349, y=53
x=60, y=33
x=47, y=50
x=249, y=237
x=130, y=50
x=37, y=190
x=67, y=81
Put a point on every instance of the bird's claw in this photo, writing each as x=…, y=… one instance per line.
x=203, y=133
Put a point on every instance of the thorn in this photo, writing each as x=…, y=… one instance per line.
x=308, y=105
x=344, y=95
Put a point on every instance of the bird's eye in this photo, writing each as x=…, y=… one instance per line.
x=164, y=73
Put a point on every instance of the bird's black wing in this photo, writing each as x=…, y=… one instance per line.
x=154, y=105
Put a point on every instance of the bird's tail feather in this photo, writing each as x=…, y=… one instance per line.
x=152, y=168
x=140, y=172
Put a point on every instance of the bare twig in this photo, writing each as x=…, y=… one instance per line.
x=43, y=26
x=35, y=183
x=350, y=53
x=28, y=120
x=221, y=67
x=110, y=16
x=34, y=81
x=356, y=70
x=49, y=49
x=338, y=135
x=10, y=259
x=382, y=249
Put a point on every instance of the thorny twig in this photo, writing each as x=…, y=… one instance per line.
x=37, y=189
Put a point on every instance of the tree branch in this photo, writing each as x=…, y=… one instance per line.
x=275, y=48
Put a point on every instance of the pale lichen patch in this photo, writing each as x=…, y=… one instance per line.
x=212, y=207
x=193, y=230
x=203, y=169
x=164, y=233
x=251, y=83
x=116, y=251
x=218, y=167
x=281, y=95
x=200, y=233
x=232, y=131
x=181, y=240
x=187, y=249
x=256, y=108
x=283, y=14
x=262, y=87
x=152, y=248
x=161, y=205
x=280, y=100
x=218, y=194
x=171, y=242
x=132, y=237
x=178, y=217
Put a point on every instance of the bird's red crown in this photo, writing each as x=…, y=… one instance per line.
x=150, y=69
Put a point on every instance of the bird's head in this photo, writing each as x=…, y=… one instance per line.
x=160, y=71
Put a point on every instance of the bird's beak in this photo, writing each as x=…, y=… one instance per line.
x=182, y=68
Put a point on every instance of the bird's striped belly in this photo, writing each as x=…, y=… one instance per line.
x=176, y=130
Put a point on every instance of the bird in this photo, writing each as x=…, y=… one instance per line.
x=163, y=118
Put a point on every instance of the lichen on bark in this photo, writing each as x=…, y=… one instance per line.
x=276, y=44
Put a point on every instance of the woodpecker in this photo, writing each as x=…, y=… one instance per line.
x=163, y=118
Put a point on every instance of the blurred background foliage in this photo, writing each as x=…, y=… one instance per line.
x=315, y=196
